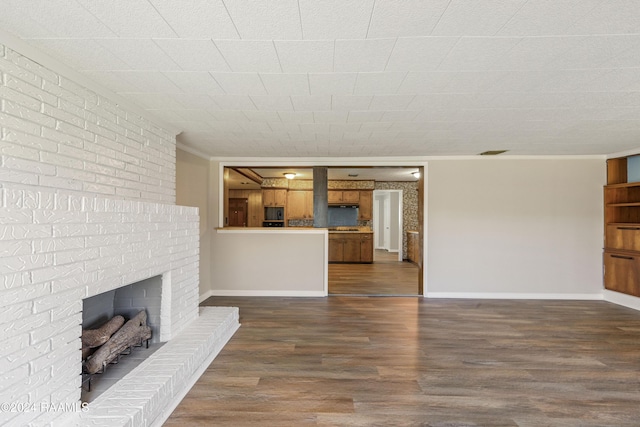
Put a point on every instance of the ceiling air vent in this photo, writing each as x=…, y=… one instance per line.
x=493, y=152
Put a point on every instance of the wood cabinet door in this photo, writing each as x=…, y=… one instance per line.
x=350, y=196
x=268, y=197
x=336, y=249
x=274, y=197
x=299, y=204
x=352, y=248
x=280, y=197
x=308, y=204
x=366, y=248
x=296, y=204
x=365, y=210
x=622, y=273
x=334, y=196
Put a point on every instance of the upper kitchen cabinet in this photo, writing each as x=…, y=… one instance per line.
x=274, y=197
x=299, y=204
x=365, y=208
x=347, y=196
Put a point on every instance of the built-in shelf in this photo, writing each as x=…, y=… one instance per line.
x=622, y=228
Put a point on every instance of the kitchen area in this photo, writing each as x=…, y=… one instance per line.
x=269, y=221
x=288, y=202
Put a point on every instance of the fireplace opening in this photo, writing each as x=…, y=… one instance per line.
x=135, y=311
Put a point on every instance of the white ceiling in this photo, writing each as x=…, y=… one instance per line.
x=360, y=78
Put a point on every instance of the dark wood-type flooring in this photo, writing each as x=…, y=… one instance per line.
x=386, y=276
x=408, y=361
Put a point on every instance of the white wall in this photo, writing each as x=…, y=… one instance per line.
x=515, y=227
x=270, y=262
x=192, y=189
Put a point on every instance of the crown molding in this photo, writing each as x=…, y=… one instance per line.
x=193, y=151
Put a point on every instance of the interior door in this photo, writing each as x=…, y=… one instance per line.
x=238, y=212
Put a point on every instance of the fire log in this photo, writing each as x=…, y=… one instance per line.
x=132, y=333
x=92, y=338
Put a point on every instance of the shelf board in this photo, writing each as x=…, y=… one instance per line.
x=623, y=185
x=622, y=205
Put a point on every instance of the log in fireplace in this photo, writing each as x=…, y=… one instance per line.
x=104, y=345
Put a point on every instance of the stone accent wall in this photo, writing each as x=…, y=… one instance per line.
x=409, y=205
x=351, y=185
x=301, y=184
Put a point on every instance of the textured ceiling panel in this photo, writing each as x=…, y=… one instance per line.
x=266, y=19
x=127, y=19
x=359, y=77
x=202, y=19
x=335, y=19
x=405, y=18
x=193, y=55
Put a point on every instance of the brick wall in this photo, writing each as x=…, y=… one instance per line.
x=87, y=204
x=58, y=134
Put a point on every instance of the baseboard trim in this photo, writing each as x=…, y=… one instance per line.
x=204, y=296
x=510, y=295
x=257, y=293
x=622, y=299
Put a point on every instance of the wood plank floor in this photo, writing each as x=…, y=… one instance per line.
x=368, y=361
x=386, y=276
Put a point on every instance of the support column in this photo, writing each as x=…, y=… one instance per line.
x=320, y=197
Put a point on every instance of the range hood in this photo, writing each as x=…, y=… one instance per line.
x=343, y=205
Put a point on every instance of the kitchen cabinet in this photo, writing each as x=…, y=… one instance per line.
x=299, y=204
x=339, y=196
x=622, y=230
x=365, y=205
x=274, y=197
x=622, y=272
x=366, y=247
x=351, y=247
x=413, y=246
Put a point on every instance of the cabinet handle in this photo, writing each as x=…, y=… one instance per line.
x=630, y=258
x=629, y=228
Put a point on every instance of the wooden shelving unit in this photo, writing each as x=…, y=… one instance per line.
x=622, y=230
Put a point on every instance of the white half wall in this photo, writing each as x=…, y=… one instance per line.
x=270, y=262
x=524, y=226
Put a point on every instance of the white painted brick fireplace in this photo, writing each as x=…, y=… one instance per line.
x=87, y=205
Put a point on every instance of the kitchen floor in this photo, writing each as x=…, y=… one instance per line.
x=386, y=276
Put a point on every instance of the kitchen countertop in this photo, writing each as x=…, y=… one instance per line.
x=333, y=230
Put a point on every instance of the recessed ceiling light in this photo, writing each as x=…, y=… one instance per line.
x=289, y=175
x=353, y=175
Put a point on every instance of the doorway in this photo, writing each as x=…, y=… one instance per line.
x=388, y=223
x=395, y=207
x=238, y=212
